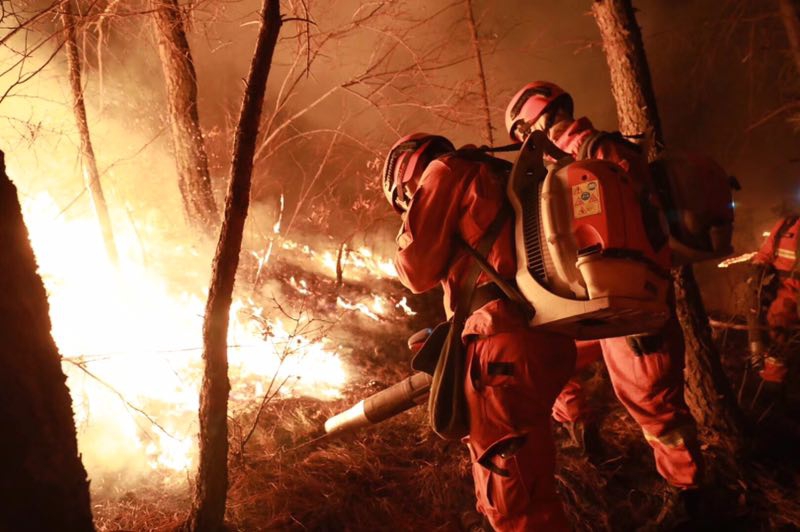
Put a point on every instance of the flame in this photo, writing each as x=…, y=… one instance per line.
x=361, y=307
x=301, y=286
x=357, y=264
x=131, y=345
x=403, y=305
x=745, y=257
x=277, y=227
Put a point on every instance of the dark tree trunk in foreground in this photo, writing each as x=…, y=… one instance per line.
x=43, y=483
x=790, y=16
x=187, y=138
x=708, y=391
x=90, y=174
x=476, y=55
x=208, y=510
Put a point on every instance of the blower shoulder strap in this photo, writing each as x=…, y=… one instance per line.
x=470, y=278
x=589, y=145
x=508, y=288
x=447, y=403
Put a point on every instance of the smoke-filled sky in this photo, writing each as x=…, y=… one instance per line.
x=379, y=70
x=718, y=68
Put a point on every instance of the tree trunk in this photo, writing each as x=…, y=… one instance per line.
x=476, y=54
x=212, y=481
x=708, y=391
x=790, y=16
x=43, y=483
x=631, y=84
x=90, y=174
x=191, y=159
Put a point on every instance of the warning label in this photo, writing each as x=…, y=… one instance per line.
x=586, y=199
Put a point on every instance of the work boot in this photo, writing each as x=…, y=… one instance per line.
x=472, y=521
x=680, y=511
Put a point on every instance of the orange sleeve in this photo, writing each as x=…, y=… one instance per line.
x=767, y=250
x=426, y=240
x=628, y=157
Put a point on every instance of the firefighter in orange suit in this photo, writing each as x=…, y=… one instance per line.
x=514, y=373
x=777, y=260
x=646, y=371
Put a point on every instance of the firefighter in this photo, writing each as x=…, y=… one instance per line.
x=776, y=287
x=646, y=371
x=514, y=373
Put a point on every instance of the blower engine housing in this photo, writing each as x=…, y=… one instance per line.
x=584, y=255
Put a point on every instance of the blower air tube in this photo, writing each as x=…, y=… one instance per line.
x=387, y=403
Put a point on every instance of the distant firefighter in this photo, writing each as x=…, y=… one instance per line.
x=646, y=371
x=775, y=287
x=513, y=372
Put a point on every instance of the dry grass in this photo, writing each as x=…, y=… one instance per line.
x=398, y=476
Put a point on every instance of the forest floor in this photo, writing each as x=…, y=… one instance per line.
x=399, y=476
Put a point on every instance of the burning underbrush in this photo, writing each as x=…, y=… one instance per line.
x=130, y=336
x=399, y=476
x=315, y=328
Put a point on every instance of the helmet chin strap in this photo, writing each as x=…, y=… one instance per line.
x=403, y=197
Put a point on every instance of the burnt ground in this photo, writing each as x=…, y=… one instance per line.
x=399, y=476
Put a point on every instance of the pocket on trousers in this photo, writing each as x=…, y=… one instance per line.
x=507, y=491
x=503, y=484
x=500, y=374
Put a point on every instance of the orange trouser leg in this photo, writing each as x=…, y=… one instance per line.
x=650, y=386
x=571, y=404
x=782, y=318
x=512, y=380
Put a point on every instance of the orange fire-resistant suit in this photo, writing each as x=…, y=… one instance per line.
x=779, y=250
x=647, y=377
x=514, y=373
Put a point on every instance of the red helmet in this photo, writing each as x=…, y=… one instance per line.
x=531, y=102
x=405, y=163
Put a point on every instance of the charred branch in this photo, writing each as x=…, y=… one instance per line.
x=476, y=54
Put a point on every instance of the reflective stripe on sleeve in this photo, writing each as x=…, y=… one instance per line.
x=674, y=438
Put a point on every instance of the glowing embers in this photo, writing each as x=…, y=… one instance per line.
x=131, y=342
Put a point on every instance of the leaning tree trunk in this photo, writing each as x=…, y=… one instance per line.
x=708, y=391
x=476, y=55
x=43, y=483
x=191, y=159
x=208, y=510
x=90, y=173
x=790, y=16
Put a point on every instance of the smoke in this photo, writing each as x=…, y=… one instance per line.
x=372, y=78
